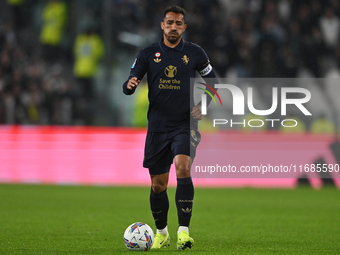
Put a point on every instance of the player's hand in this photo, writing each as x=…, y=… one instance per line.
x=133, y=83
x=196, y=112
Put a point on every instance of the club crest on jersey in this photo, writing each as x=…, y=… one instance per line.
x=170, y=71
x=185, y=59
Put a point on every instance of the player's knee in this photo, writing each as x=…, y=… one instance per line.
x=158, y=187
x=182, y=171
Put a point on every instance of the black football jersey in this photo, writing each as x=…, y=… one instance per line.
x=168, y=76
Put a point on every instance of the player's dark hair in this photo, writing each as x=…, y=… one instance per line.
x=176, y=9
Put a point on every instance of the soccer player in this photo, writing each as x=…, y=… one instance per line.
x=169, y=64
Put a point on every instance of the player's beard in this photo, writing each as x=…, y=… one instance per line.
x=173, y=38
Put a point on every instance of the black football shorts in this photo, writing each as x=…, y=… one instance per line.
x=162, y=147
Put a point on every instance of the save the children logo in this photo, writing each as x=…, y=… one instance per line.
x=170, y=71
x=238, y=104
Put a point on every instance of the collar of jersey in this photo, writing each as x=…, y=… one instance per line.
x=179, y=47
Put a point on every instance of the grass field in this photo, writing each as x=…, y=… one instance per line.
x=42, y=219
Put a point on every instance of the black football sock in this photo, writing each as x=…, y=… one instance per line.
x=159, y=204
x=184, y=200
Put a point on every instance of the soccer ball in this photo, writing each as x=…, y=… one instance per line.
x=138, y=237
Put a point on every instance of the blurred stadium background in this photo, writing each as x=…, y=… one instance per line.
x=64, y=118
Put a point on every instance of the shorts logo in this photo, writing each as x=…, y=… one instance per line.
x=170, y=71
x=193, y=135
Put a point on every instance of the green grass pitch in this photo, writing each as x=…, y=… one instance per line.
x=43, y=219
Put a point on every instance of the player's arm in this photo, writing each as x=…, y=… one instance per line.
x=138, y=70
x=210, y=77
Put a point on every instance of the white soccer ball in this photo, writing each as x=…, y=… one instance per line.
x=138, y=237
